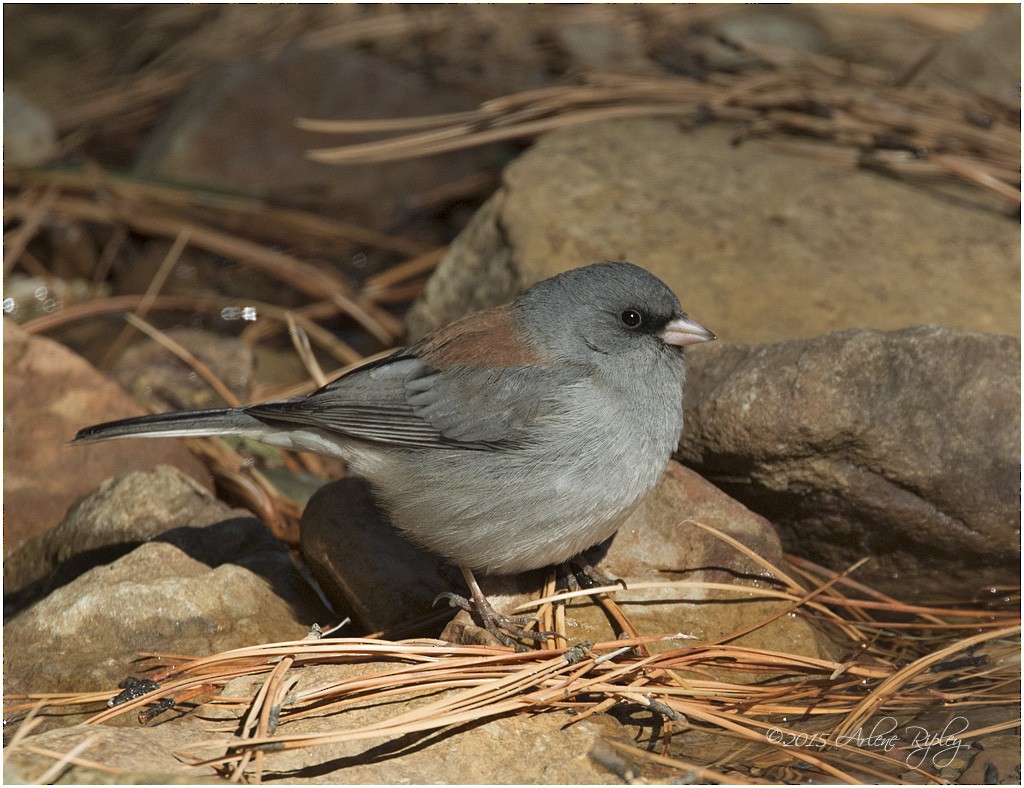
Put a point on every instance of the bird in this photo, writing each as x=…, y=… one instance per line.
x=511, y=439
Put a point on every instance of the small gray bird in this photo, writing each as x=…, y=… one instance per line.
x=512, y=439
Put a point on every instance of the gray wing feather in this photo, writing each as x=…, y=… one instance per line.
x=401, y=401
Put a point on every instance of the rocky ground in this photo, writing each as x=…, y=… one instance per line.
x=862, y=402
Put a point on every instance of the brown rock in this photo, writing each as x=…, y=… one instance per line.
x=193, y=591
x=122, y=513
x=49, y=394
x=760, y=245
x=985, y=60
x=165, y=382
x=903, y=446
x=549, y=748
x=138, y=756
x=236, y=130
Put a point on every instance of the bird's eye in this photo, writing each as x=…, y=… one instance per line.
x=631, y=318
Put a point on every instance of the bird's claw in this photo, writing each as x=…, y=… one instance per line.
x=508, y=630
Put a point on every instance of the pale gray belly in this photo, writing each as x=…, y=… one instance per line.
x=507, y=512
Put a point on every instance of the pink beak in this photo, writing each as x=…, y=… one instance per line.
x=682, y=331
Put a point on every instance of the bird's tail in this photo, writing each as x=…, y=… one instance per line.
x=223, y=421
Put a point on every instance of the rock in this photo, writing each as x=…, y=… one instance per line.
x=49, y=394
x=236, y=130
x=192, y=591
x=781, y=27
x=882, y=38
x=363, y=562
x=604, y=46
x=761, y=246
x=122, y=513
x=30, y=138
x=138, y=756
x=548, y=748
x=998, y=762
x=985, y=60
x=903, y=446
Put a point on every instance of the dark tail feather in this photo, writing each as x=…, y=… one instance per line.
x=224, y=421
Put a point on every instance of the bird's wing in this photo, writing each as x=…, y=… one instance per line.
x=404, y=400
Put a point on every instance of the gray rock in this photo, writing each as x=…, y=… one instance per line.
x=903, y=446
x=122, y=513
x=193, y=591
x=760, y=246
x=985, y=60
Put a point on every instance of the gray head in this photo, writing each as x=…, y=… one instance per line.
x=607, y=311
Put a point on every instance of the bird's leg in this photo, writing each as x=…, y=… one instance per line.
x=499, y=625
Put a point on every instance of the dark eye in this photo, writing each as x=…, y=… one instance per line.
x=631, y=318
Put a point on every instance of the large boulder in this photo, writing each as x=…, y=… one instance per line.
x=899, y=445
x=760, y=246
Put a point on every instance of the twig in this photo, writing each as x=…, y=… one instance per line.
x=155, y=286
x=301, y=343
x=31, y=220
x=178, y=350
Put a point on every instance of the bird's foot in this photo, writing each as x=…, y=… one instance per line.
x=508, y=630
x=583, y=573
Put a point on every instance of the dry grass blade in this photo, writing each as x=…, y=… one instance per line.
x=155, y=286
x=852, y=109
x=478, y=683
x=65, y=760
x=267, y=222
x=187, y=357
x=32, y=219
x=300, y=340
x=893, y=683
x=694, y=773
x=422, y=264
x=341, y=350
x=309, y=279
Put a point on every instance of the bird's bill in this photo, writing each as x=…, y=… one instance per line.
x=681, y=331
